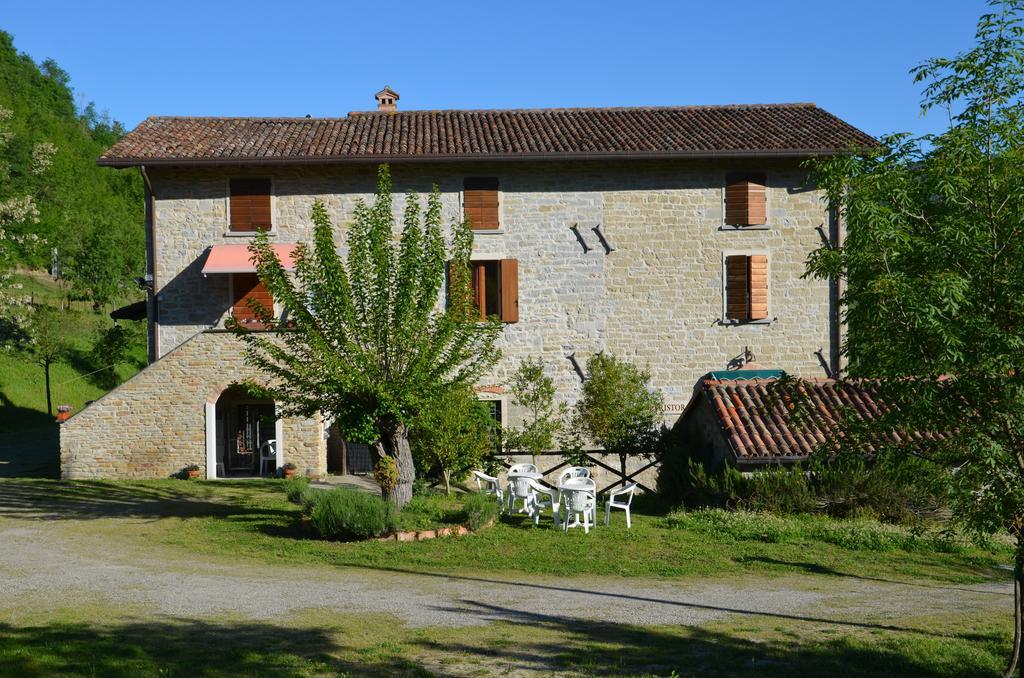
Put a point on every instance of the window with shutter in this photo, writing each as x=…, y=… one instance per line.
x=746, y=287
x=250, y=205
x=480, y=203
x=496, y=288
x=745, y=199
x=246, y=287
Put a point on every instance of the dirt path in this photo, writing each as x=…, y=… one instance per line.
x=63, y=564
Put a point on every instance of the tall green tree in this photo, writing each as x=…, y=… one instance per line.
x=534, y=392
x=933, y=274
x=453, y=433
x=616, y=408
x=365, y=339
x=47, y=342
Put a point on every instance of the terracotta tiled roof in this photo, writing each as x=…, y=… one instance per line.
x=694, y=132
x=759, y=427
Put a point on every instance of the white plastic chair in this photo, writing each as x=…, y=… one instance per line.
x=578, y=503
x=489, y=485
x=573, y=472
x=522, y=468
x=268, y=452
x=620, y=498
x=543, y=498
x=519, y=490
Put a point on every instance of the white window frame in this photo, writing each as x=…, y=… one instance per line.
x=766, y=226
x=228, y=233
x=724, y=319
x=501, y=207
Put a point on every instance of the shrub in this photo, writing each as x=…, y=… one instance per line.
x=385, y=473
x=427, y=511
x=351, y=515
x=295, y=487
x=480, y=509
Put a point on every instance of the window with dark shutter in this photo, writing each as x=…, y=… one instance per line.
x=246, y=287
x=250, y=205
x=480, y=203
x=496, y=288
x=745, y=199
x=746, y=287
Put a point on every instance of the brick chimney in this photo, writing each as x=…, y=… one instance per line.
x=386, y=99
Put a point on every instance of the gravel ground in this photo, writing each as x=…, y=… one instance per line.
x=60, y=564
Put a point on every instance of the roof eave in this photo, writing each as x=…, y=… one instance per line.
x=462, y=157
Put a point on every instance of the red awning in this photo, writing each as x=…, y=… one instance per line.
x=238, y=258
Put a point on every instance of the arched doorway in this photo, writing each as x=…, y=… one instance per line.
x=246, y=436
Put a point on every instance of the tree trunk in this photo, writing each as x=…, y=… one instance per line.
x=622, y=465
x=49, y=398
x=395, y=438
x=1018, y=603
x=447, y=481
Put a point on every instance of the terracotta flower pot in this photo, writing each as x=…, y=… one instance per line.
x=192, y=475
x=289, y=472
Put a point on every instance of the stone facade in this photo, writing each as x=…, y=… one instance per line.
x=155, y=424
x=656, y=299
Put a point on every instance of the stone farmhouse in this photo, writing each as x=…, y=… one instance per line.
x=673, y=237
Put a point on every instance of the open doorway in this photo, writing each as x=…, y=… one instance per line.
x=246, y=436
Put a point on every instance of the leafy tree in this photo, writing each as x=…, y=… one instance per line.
x=453, y=433
x=534, y=391
x=113, y=346
x=933, y=265
x=364, y=340
x=47, y=343
x=616, y=408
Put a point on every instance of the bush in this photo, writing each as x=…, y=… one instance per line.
x=351, y=515
x=295, y=487
x=480, y=509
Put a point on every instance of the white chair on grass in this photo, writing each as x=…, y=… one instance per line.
x=519, y=490
x=573, y=472
x=522, y=468
x=543, y=498
x=619, y=498
x=578, y=503
x=268, y=453
x=489, y=485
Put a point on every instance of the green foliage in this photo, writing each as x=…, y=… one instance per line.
x=385, y=473
x=115, y=345
x=364, y=340
x=480, y=509
x=295, y=487
x=616, y=408
x=352, y=515
x=52, y=194
x=534, y=392
x=453, y=433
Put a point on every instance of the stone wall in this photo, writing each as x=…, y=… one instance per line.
x=656, y=299
x=154, y=424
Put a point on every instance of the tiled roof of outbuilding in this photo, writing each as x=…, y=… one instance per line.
x=669, y=132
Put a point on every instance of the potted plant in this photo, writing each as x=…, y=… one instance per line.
x=288, y=470
x=192, y=471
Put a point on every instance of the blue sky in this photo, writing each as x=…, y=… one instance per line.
x=327, y=58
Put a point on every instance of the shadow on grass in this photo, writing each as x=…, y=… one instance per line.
x=87, y=499
x=30, y=445
x=183, y=647
x=601, y=648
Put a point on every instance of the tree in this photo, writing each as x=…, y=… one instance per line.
x=47, y=342
x=933, y=272
x=364, y=340
x=616, y=408
x=454, y=433
x=534, y=391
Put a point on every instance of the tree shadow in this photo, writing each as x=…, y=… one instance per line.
x=183, y=647
x=30, y=444
x=605, y=648
x=90, y=499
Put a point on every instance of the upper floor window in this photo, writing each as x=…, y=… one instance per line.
x=745, y=199
x=495, y=288
x=480, y=203
x=250, y=205
x=246, y=287
x=746, y=287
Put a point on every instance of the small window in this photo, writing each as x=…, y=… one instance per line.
x=246, y=287
x=496, y=288
x=746, y=287
x=745, y=199
x=250, y=205
x=480, y=203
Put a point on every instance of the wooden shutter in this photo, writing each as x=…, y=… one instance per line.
x=480, y=203
x=745, y=199
x=246, y=286
x=510, y=290
x=758, y=286
x=478, y=281
x=250, y=205
x=737, y=297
